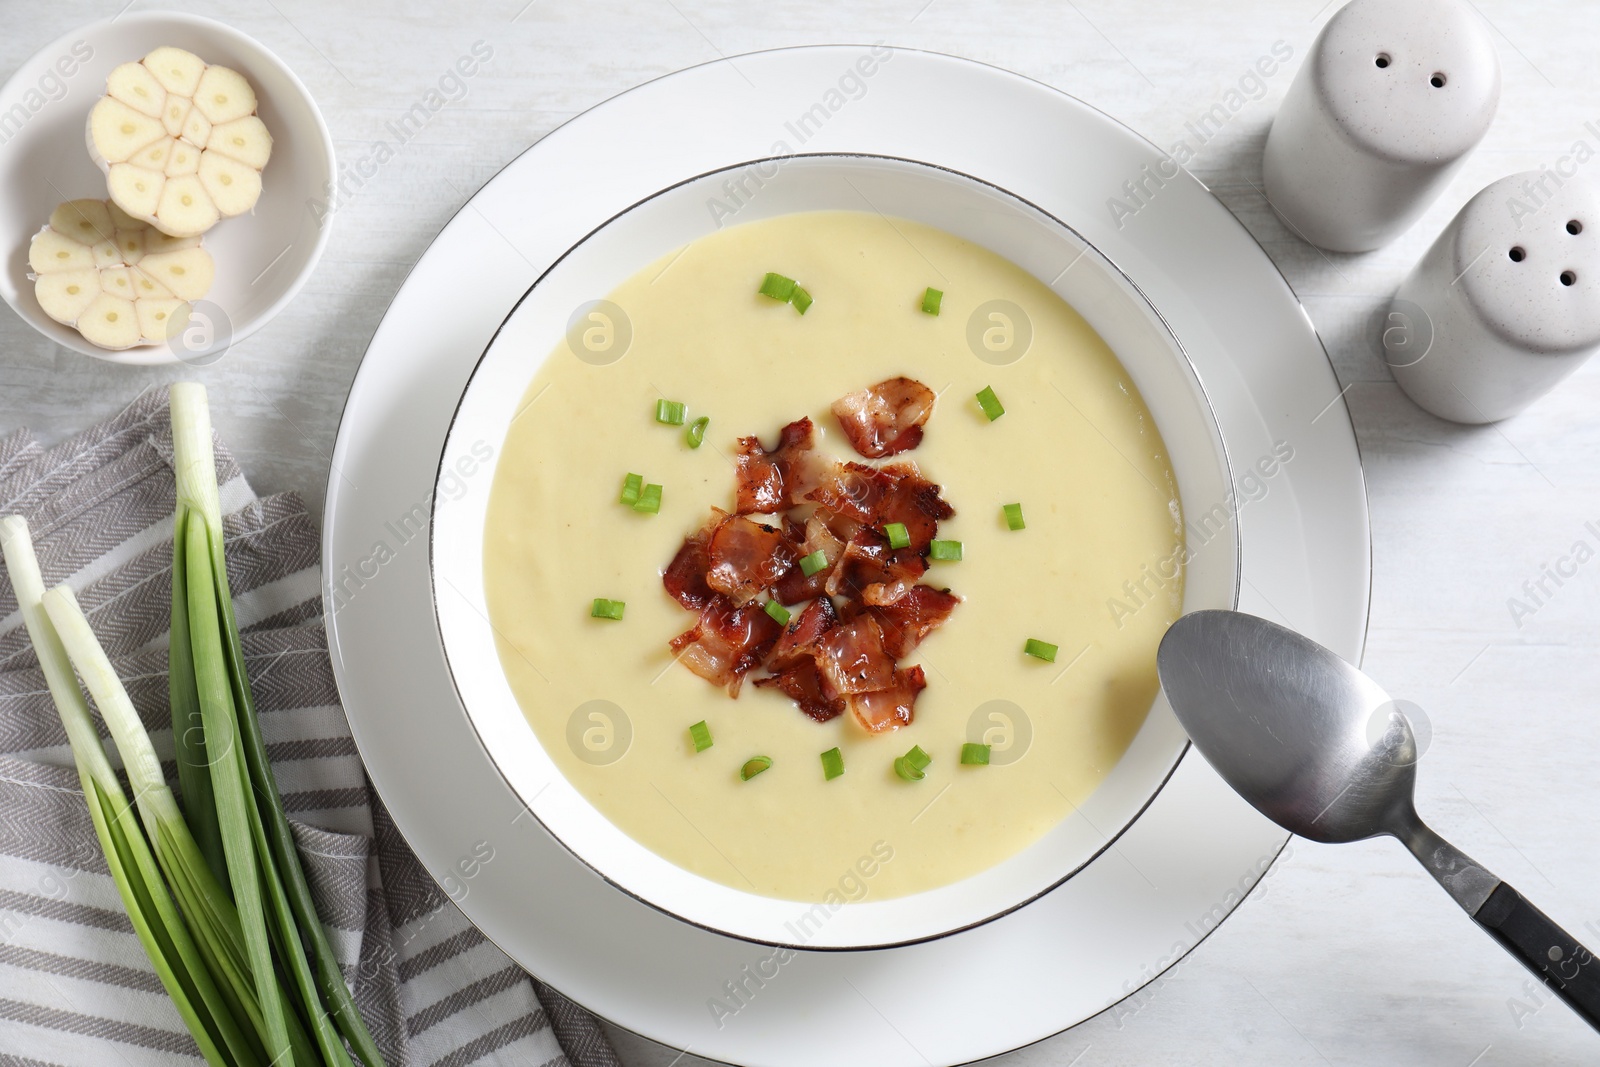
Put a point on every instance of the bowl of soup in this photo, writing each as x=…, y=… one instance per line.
x=802, y=543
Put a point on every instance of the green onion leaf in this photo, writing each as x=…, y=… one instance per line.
x=697, y=431
x=754, y=766
x=974, y=755
x=918, y=758
x=930, y=300
x=813, y=563
x=898, y=535
x=832, y=764
x=1013, y=513
x=649, y=500
x=800, y=299
x=700, y=734
x=630, y=489
x=607, y=609
x=947, y=551
x=779, y=613
x=1040, y=650
x=670, y=412
x=990, y=403
x=777, y=287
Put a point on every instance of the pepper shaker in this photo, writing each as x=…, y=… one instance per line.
x=1390, y=100
x=1506, y=302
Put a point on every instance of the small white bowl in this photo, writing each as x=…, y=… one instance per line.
x=262, y=259
x=969, y=208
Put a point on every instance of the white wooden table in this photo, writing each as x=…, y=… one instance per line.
x=1346, y=955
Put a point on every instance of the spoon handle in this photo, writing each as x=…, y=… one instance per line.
x=1552, y=954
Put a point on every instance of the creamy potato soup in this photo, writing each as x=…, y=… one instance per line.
x=1092, y=572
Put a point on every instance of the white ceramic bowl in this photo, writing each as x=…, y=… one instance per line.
x=963, y=206
x=262, y=259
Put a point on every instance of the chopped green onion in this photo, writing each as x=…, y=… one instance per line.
x=670, y=412
x=607, y=609
x=1040, y=650
x=649, y=499
x=974, y=754
x=1013, y=516
x=907, y=771
x=913, y=765
x=777, y=287
x=898, y=535
x=779, y=613
x=930, y=300
x=700, y=734
x=948, y=551
x=813, y=563
x=990, y=403
x=697, y=431
x=754, y=766
x=630, y=489
x=832, y=764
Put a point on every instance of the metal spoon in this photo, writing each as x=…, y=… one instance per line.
x=1317, y=747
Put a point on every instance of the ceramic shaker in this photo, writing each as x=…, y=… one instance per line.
x=1505, y=304
x=1390, y=100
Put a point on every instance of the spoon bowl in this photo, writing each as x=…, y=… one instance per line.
x=1310, y=741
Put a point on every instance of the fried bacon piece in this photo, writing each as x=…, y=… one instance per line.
x=746, y=557
x=685, y=576
x=726, y=643
x=851, y=495
x=802, y=684
x=796, y=586
x=771, y=481
x=891, y=707
x=906, y=621
x=799, y=639
x=885, y=419
x=794, y=666
x=852, y=492
x=872, y=572
x=851, y=658
x=915, y=503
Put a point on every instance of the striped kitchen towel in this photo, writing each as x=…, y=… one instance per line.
x=75, y=987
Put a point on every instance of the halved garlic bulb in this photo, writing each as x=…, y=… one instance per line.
x=179, y=141
x=115, y=279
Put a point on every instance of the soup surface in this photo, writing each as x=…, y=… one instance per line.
x=1095, y=571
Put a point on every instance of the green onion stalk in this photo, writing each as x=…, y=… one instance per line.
x=263, y=866
x=173, y=952
x=207, y=909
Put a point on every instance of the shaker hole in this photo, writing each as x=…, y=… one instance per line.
x=1518, y=255
x=1382, y=60
x=1568, y=278
x=1574, y=227
x=1437, y=81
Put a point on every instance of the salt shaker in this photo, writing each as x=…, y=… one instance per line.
x=1390, y=100
x=1505, y=304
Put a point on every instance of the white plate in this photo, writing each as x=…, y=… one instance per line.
x=1134, y=911
x=955, y=203
x=262, y=258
